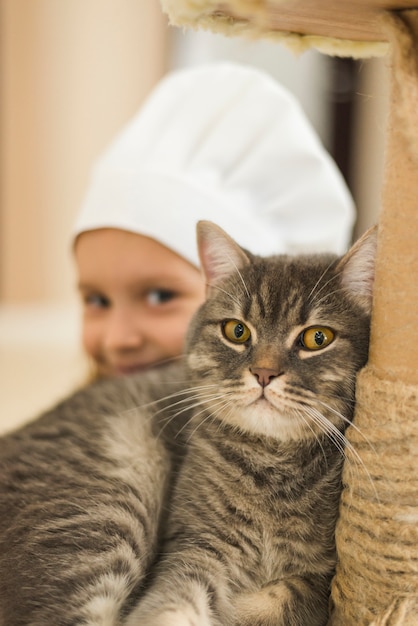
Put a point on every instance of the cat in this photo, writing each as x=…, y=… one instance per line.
x=204, y=493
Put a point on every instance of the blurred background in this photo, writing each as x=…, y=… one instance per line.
x=72, y=73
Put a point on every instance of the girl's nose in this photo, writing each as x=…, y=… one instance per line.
x=123, y=330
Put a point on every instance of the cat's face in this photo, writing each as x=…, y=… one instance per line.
x=279, y=340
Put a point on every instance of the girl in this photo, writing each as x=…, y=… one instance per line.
x=222, y=142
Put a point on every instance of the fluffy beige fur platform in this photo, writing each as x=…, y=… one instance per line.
x=253, y=19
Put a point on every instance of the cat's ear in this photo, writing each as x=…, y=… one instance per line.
x=357, y=268
x=219, y=255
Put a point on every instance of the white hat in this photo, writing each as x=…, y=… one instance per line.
x=226, y=143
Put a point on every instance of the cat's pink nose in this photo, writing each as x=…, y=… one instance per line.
x=264, y=375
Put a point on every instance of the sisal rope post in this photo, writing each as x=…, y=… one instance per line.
x=376, y=582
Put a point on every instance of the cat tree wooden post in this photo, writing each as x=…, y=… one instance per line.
x=377, y=535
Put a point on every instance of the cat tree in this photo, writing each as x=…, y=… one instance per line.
x=377, y=535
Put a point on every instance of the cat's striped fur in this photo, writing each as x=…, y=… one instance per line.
x=217, y=505
x=81, y=497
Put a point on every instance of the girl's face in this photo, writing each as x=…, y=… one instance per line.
x=138, y=298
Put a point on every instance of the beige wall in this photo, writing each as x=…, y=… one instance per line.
x=72, y=72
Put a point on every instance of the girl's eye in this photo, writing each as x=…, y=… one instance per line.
x=96, y=300
x=236, y=331
x=160, y=296
x=316, y=337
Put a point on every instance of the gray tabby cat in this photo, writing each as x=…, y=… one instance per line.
x=201, y=497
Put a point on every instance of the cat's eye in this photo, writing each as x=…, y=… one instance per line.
x=236, y=331
x=316, y=337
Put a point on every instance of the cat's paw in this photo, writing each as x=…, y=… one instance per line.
x=290, y=602
x=166, y=618
x=173, y=616
x=252, y=608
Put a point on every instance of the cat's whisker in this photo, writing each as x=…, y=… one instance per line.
x=171, y=418
x=337, y=438
x=188, y=396
x=214, y=410
x=327, y=428
x=330, y=293
x=349, y=422
x=202, y=401
x=239, y=274
x=190, y=392
x=351, y=449
x=182, y=392
x=347, y=446
x=187, y=404
x=307, y=424
x=324, y=273
x=169, y=359
x=235, y=300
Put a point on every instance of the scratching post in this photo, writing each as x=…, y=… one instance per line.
x=376, y=583
x=377, y=534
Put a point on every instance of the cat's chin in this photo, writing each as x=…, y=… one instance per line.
x=261, y=418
